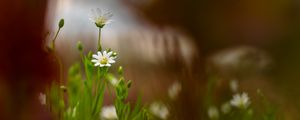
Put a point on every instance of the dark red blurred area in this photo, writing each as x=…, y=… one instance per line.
x=24, y=67
x=271, y=25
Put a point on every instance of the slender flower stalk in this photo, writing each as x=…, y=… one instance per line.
x=52, y=48
x=99, y=40
x=100, y=19
x=60, y=25
x=61, y=72
x=53, y=41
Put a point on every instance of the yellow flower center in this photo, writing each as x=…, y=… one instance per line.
x=104, y=60
x=101, y=21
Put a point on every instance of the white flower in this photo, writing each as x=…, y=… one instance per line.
x=109, y=113
x=42, y=98
x=240, y=100
x=114, y=82
x=234, y=85
x=233, y=60
x=226, y=108
x=174, y=90
x=159, y=110
x=100, y=18
x=103, y=59
x=213, y=112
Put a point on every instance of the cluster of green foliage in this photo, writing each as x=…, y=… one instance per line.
x=82, y=98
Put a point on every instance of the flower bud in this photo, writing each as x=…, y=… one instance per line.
x=129, y=84
x=61, y=23
x=122, y=81
x=120, y=70
x=122, y=90
x=108, y=50
x=114, y=54
x=99, y=25
x=79, y=46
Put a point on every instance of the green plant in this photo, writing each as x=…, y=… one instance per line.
x=82, y=97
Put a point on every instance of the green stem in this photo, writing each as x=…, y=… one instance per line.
x=57, y=58
x=60, y=69
x=81, y=56
x=98, y=80
x=102, y=90
x=99, y=40
x=53, y=41
x=109, y=91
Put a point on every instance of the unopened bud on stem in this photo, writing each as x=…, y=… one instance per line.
x=120, y=70
x=61, y=23
x=79, y=46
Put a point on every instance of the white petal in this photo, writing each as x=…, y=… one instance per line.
x=97, y=64
x=109, y=53
x=94, y=60
x=92, y=19
x=99, y=12
x=111, y=61
x=113, y=57
x=108, y=65
x=109, y=21
x=101, y=65
x=105, y=53
x=92, y=14
x=107, y=15
x=99, y=54
x=95, y=56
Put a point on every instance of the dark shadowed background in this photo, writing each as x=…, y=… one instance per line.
x=159, y=42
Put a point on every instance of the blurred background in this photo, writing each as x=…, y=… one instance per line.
x=255, y=42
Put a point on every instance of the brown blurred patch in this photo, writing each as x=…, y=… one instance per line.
x=24, y=67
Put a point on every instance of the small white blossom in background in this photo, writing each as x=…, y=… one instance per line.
x=114, y=82
x=174, y=90
x=159, y=110
x=240, y=101
x=213, y=113
x=234, y=85
x=225, y=108
x=248, y=59
x=109, y=113
x=103, y=59
x=100, y=18
x=42, y=98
